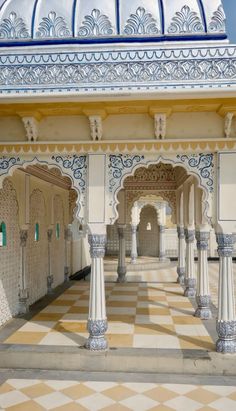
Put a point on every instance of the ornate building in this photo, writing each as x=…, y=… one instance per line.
x=116, y=114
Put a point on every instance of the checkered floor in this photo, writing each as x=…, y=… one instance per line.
x=36, y=395
x=140, y=315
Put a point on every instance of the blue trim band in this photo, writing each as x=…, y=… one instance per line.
x=33, y=17
x=202, y=11
x=114, y=40
x=3, y=4
x=118, y=16
x=73, y=17
x=161, y=9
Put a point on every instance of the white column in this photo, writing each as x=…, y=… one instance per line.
x=181, y=255
x=162, y=245
x=190, y=278
x=68, y=237
x=203, y=297
x=23, y=291
x=121, y=269
x=134, y=251
x=226, y=321
x=97, y=320
x=50, y=276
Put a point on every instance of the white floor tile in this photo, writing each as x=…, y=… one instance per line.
x=12, y=398
x=56, y=338
x=96, y=402
x=53, y=400
x=140, y=403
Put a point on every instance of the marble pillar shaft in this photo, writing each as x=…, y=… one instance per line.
x=203, y=290
x=97, y=320
x=134, y=251
x=162, y=249
x=190, y=279
x=50, y=276
x=181, y=255
x=226, y=321
x=121, y=269
x=23, y=291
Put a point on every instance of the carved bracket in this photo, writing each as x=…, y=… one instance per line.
x=31, y=127
x=228, y=124
x=96, y=127
x=160, y=121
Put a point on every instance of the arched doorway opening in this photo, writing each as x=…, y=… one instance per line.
x=148, y=243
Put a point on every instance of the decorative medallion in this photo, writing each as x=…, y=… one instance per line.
x=13, y=28
x=53, y=26
x=185, y=21
x=96, y=24
x=218, y=20
x=119, y=165
x=141, y=23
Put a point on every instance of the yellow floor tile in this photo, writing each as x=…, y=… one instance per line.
x=196, y=343
x=162, y=408
x=127, y=319
x=116, y=407
x=186, y=320
x=47, y=317
x=124, y=292
x=152, y=311
x=37, y=390
x=71, y=327
x=180, y=304
x=160, y=394
x=233, y=396
x=202, y=395
x=78, y=391
x=71, y=407
x=25, y=338
x=121, y=304
x=26, y=406
x=78, y=310
x=62, y=302
x=119, y=393
x=120, y=340
x=153, y=329
x=4, y=388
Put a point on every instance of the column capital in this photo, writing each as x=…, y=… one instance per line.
x=97, y=244
x=180, y=231
x=189, y=235
x=23, y=237
x=225, y=244
x=121, y=231
x=49, y=234
x=202, y=238
x=68, y=234
x=162, y=228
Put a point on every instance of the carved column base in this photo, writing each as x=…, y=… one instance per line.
x=181, y=275
x=203, y=310
x=226, y=331
x=133, y=259
x=121, y=274
x=23, y=301
x=66, y=275
x=190, y=290
x=49, y=284
x=97, y=340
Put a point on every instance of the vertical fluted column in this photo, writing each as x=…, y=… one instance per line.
x=203, y=297
x=134, y=251
x=162, y=245
x=50, y=276
x=190, y=278
x=97, y=320
x=121, y=269
x=23, y=291
x=226, y=321
x=181, y=255
x=68, y=237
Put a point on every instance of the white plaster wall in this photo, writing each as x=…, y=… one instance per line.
x=61, y=128
x=9, y=255
x=37, y=251
x=186, y=125
x=58, y=245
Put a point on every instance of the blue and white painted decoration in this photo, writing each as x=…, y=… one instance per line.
x=110, y=20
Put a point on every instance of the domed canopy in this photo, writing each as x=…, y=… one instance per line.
x=43, y=21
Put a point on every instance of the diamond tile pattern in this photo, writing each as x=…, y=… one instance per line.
x=36, y=395
x=140, y=315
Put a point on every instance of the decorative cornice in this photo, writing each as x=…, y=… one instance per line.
x=102, y=71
